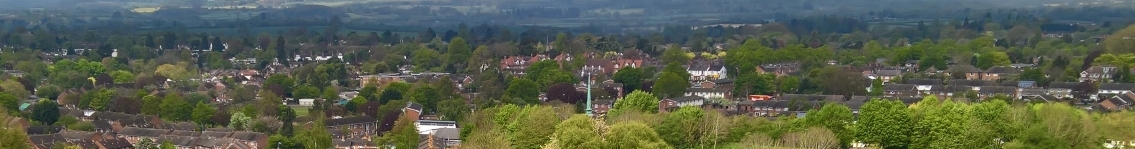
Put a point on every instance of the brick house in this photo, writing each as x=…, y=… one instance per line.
x=669, y=104
x=357, y=127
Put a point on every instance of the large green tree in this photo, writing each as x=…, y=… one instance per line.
x=577, y=132
x=403, y=135
x=637, y=101
x=834, y=117
x=630, y=77
x=884, y=122
x=458, y=53
x=990, y=59
x=427, y=96
x=755, y=84
x=11, y=103
x=532, y=127
x=202, y=114
x=174, y=108
x=45, y=112
x=633, y=134
x=151, y=105
x=679, y=127
x=669, y=85
x=522, y=89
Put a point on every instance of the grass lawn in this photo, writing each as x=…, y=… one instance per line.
x=301, y=111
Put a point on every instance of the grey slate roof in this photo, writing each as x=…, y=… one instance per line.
x=899, y=87
x=997, y=90
x=687, y=98
x=1062, y=85
x=1117, y=86
x=1002, y=70
x=116, y=143
x=350, y=121
x=35, y=130
x=146, y=132
x=962, y=68
x=971, y=82
x=923, y=81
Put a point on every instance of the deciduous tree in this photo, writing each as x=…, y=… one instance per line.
x=637, y=101
x=884, y=122
x=670, y=85
x=630, y=77
x=523, y=89
x=46, y=112
x=202, y=114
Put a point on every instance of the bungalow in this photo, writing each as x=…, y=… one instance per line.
x=674, y=103
x=1116, y=88
x=1118, y=102
x=451, y=136
x=307, y=102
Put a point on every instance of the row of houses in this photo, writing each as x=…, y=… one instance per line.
x=122, y=131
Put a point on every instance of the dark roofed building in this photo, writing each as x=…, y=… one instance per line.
x=135, y=134
x=1061, y=89
x=900, y=90
x=80, y=135
x=37, y=130
x=412, y=110
x=970, y=72
x=998, y=72
x=214, y=134
x=46, y=141
x=1116, y=88
x=943, y=91
x=990, y=91
x=972, y=83
x=923, y=81
x=359, y=126
x=255, y=139
x=601, y=106
x=114, y=143
x=430, y=142
x=809, y=97
x=1118, y=102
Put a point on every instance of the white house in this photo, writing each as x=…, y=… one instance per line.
x=1116, y=88
x=426, y=127
x=709, y=93
x=702, y=72
x=307, y=102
